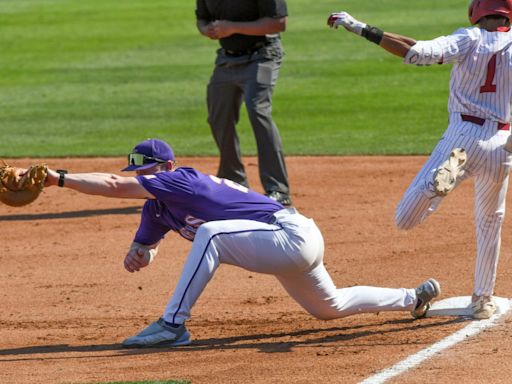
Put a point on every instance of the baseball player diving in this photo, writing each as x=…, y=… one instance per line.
x=479, y=126
x=228, y=224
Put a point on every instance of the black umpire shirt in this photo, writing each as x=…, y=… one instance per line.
x=240, y=10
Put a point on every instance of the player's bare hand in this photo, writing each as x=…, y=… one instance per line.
x=347, y=21
x=135, y=260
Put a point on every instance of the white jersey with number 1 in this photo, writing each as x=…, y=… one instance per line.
x=479, y=109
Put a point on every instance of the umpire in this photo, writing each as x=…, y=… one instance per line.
x=246, y=69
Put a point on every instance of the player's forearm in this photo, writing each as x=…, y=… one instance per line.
x=396, y=44
x=101, y=184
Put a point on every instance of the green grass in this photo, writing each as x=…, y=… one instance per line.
x=93, y=77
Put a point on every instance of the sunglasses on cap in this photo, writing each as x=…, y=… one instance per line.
x=140, y=159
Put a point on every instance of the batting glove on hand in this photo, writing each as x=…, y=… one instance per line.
x=345, y=20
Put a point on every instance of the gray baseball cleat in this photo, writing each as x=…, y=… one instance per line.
x=425, y=293
x=159, y=334
x=483, y=307
x=446, y=174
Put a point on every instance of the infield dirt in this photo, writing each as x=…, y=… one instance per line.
x=67, y=302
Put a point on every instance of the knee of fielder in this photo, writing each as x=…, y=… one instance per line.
x=326, y=315
x=326, y=310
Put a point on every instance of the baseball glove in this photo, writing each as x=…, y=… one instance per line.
x=20, y=187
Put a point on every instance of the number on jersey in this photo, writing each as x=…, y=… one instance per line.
x=491, y=72
x=230, y=184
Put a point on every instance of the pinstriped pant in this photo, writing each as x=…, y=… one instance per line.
x=489, y=164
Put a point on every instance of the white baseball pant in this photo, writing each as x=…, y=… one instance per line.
x=292, y=250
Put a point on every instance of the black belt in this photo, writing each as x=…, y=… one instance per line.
x=244, y=52
x=480, y=121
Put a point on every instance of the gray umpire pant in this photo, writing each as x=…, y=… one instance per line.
x=250, y=78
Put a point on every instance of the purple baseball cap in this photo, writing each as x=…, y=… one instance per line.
x=147, y=154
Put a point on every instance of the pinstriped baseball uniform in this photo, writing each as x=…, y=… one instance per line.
x=479, y=107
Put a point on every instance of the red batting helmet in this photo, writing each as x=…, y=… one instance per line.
x=481, y=8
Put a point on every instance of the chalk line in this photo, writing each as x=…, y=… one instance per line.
x=413, y=361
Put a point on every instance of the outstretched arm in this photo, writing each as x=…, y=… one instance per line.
x=396, y=44
x=102, y=184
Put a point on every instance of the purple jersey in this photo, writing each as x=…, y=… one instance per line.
x=186, y=198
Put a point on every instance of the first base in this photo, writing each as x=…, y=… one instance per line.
x=461, y=306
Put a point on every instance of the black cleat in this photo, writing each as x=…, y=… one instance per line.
x=280, y=197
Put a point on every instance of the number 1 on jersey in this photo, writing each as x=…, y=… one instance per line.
x=491, y=71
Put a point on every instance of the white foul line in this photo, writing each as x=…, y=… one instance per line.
x=412, y=361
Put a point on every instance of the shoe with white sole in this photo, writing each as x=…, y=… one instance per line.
x=483, y=307
x=425, y=293
x=447, y=173
x=159, y=334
